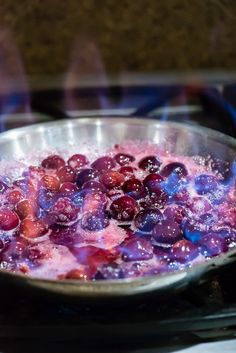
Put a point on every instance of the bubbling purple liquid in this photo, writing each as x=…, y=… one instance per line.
x=133, y=211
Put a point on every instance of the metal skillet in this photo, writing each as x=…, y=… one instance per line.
x=178, y=138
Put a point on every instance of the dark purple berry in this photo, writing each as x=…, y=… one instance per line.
x=167, y=232
x=136, y=249
x=53, y=162
x=77, y=161
x=213, y=244
x=150, y=164
x=86, y=175
x=103, y=164
x=175, y=213
x=124, y=208
x=146, y=220
x=134, y=188
x=124, y=159
x=94, y=186
x=176, y=168
x=184, y=251
x=152, y=182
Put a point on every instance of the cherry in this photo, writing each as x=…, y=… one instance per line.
x=8, y=219
x=127, y=171
x=184, y=250
x=150, y=164
x=112, y=179
x=134, y=188
x=155, y=200
x=124, y=208
x=50, y=182
x=33, y=228
x=95, y=221
x=86, y=175
x=14, y=196
x=176, y=168
x=94, y=186
x=26, y=208
x=175, y=213
x=146, y=220
x=34, y=171
x=152, y=182
x=109, y=271
x=213, y=244
x=77, y=161
x=124, y=159
x=53, y=162
x=205, y=183
x=66, y=174
x=167, y=231
x=103, y=164
x=68, y=188
x=64, y=210
x=136, y=249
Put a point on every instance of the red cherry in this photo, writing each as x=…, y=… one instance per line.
x=77, y=161
x=127, y=171
x=53, y=162
x=14, y=197
x=50, y=182
x=8, y=219
x=26, y=208
x=124, y=208
x=104, y=164
x=134, y=188
x=150, y=164
x=66, y=174
x=33, y=228
x=124, y=159
x=68, y=188
x=112, y=179
x=64, y=210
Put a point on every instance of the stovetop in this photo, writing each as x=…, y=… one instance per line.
x=203, y=312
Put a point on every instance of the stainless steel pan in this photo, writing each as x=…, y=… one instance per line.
x=102, y=133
